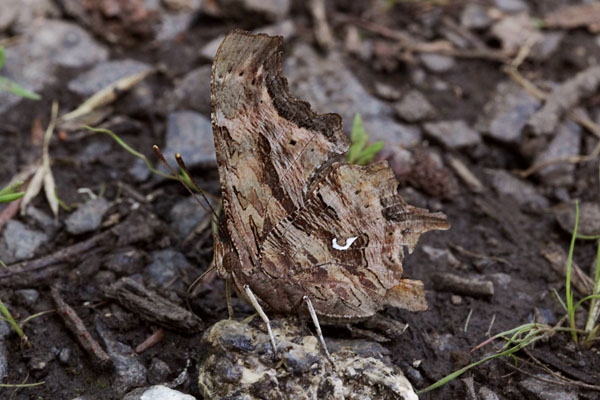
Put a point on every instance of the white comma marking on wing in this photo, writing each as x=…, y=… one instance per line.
x=346, y=246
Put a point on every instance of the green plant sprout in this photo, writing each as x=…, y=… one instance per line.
x=359, y=152
x=181, y=177
x=591, y=326
x=12, y=87
x=527, y=334
x=9, y=193
x=7, y=316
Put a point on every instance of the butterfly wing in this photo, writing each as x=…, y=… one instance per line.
x=345, y=247
x=269, y=145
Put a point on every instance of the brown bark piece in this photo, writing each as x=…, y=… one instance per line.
x=77, y=327
x=152, y=307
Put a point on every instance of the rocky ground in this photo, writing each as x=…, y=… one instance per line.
x=489, y=111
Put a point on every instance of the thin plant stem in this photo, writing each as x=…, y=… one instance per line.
x=569, y=293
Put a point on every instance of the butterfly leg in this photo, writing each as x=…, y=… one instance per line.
x=228, y=297
x=313, y=315
x=262, y=314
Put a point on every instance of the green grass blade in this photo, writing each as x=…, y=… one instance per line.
x=2, y=56
x=21, y=385
x=129, y=149
x=569, y=293
x=533, y=332
x=9, y=318
x=11, y=188
x=13, y=87
x=561, y=302
x=11, y=197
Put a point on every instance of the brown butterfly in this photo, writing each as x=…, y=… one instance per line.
x=300, y=225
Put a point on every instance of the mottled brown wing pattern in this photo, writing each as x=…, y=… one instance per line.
x=268, y=144
x=344, y=248
x=297, y=220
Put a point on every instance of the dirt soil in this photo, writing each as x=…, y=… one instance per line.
x=496, y=236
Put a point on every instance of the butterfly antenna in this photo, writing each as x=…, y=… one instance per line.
x=208, y=207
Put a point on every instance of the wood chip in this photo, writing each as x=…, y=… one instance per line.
x=81, y=333
x=557, y=257
x=575, y=16
x=152, y=307
x=445, y=282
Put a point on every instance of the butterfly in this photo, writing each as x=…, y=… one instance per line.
x=300, y=226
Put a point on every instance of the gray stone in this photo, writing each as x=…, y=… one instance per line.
x=61, y=43
x=129, y=370
x=172, y=25
x=190, y=134
x=566, y=142
x=330, y=87
x=500, y=279
x=19, y=15
x=475, y=16
x=209, y=50
x=286, y=28
x=27, y=297
x=226, y=368
x=47, y=45
x=19, y=242
x=546, y=391
x=437, y=62
x=185, y=216
x=94, y=151
x=507, y=112
x=545, y=48
x=87, y=217
x=272, y=10
x=10, y=12
x=486, y=394
x=414, y=107
x=126, y=261
x=521, y=191
x=158, y=392
x=511, y=6
x=387, y=92
x=138, y=100
x=41, y=359
x=589, y=218
x=158, y=372
x=42, y=220
x=515, y=30
x=192, y=92
x=443, y=256
x=543, y=316
x=104, y=74
x=453, y=134
x=166, y=266
x=65, y=356
x=139, y=171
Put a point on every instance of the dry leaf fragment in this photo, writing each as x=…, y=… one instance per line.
x=575, y=16
x=106, y=95
x=43, y=174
